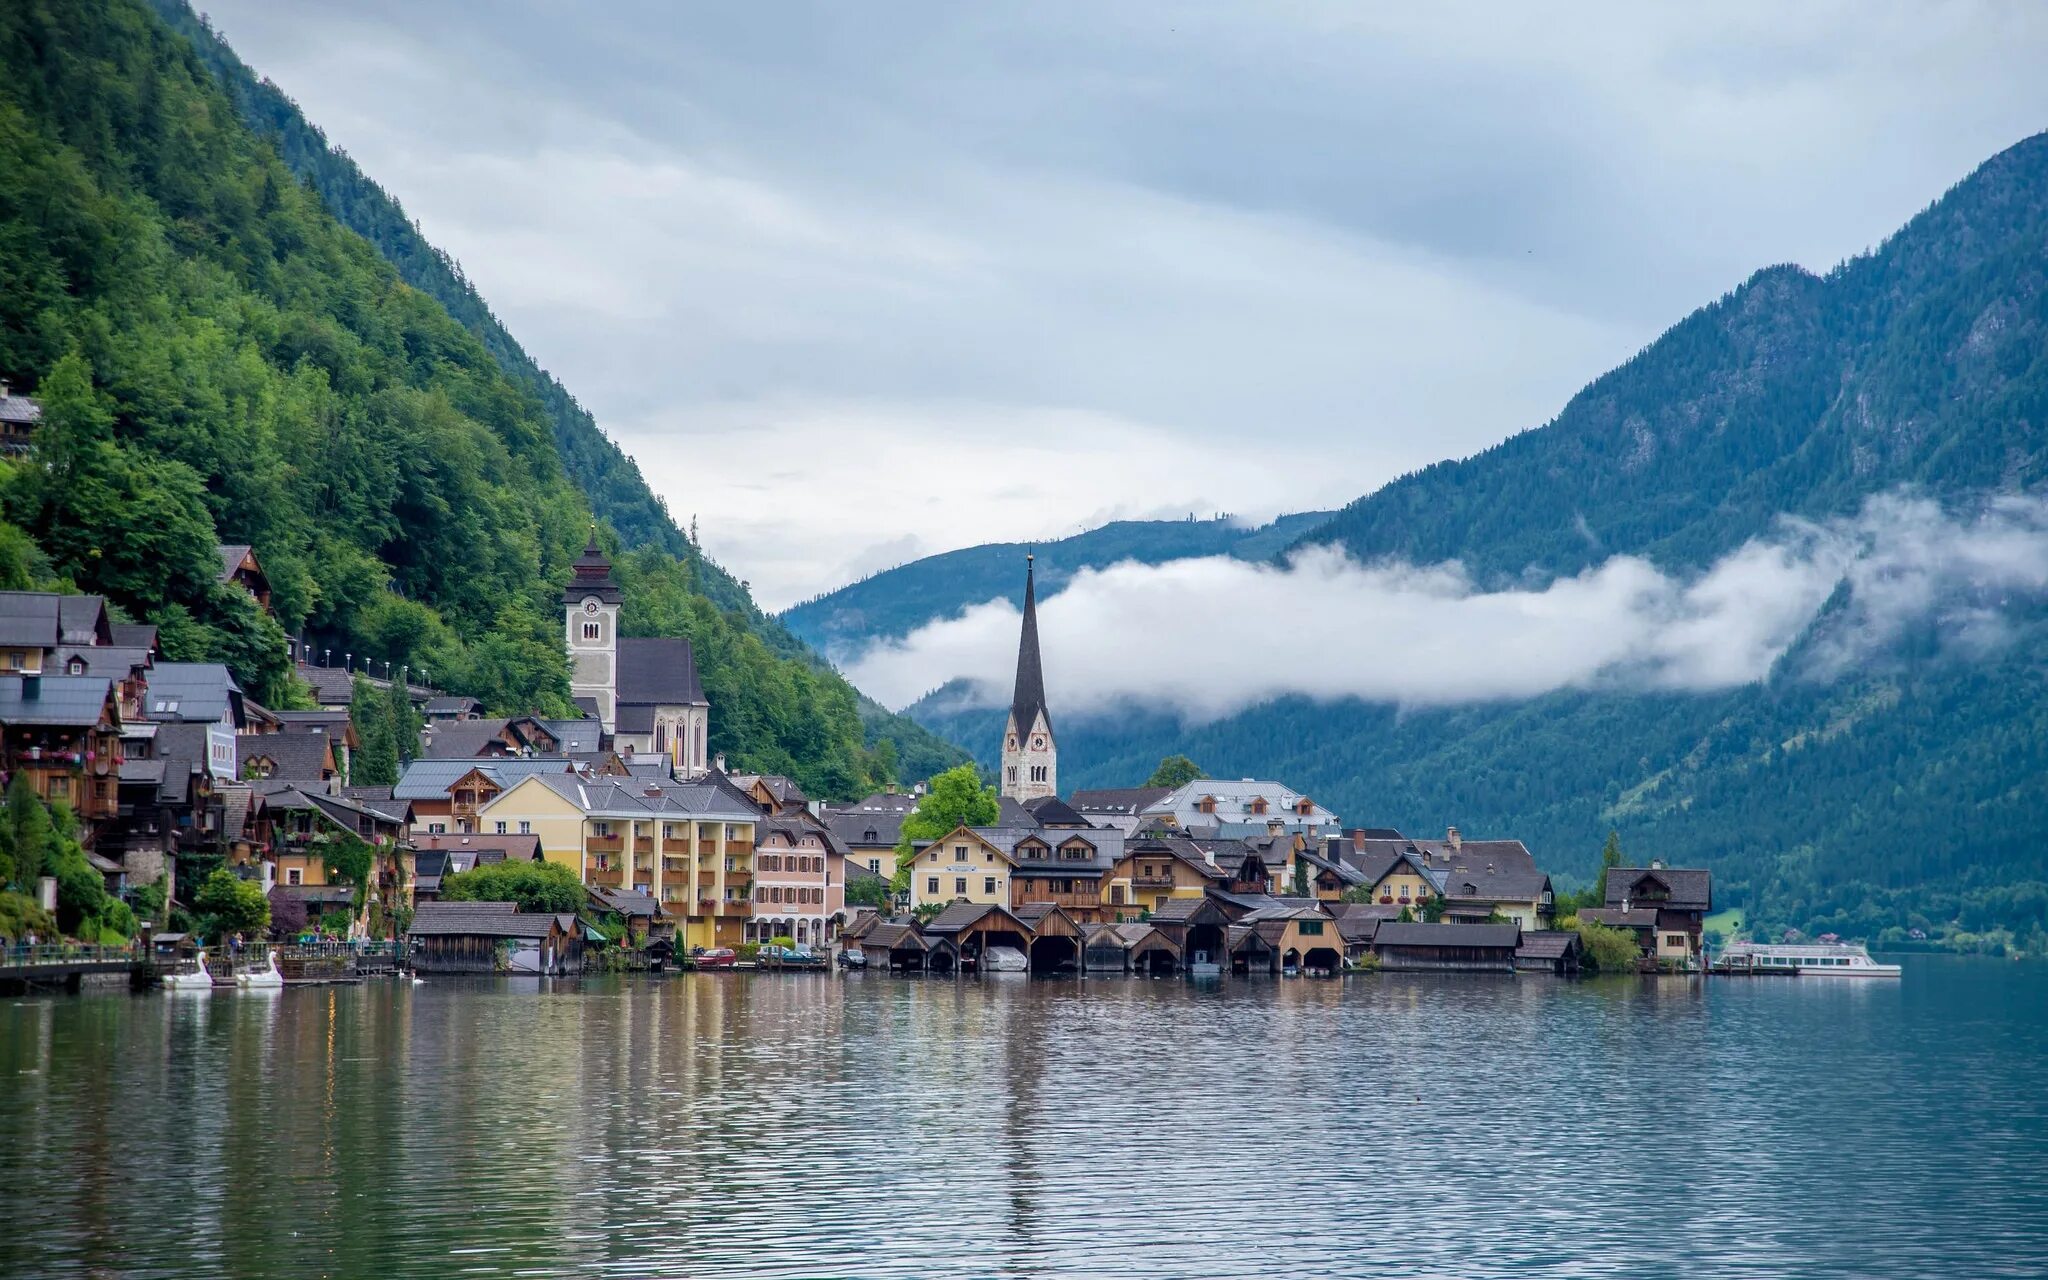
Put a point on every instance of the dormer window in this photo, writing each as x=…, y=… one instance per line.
x=1259, y=805
x=76, y=667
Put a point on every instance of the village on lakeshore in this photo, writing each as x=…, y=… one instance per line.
x=617, y=839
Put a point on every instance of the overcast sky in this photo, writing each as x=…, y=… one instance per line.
x=861, y=282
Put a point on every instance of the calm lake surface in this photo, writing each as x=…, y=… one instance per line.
x=761, y=1125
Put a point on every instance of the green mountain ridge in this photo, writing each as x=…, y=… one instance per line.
x=1903, y=796
x=220, y=360
x=897, y=601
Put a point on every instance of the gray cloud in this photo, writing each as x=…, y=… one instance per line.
x=1319, y=243
x=1209, y=637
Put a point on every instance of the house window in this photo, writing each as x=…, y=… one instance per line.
x=437, y=828
x=1116, y=895
x=960, y=884
x=931, y=885
x=294, y=875
x=77, y=667
x=1674, y=940
x=959, y=851
x=875, y=865
x=501, y=828
x=600, y=829
x=525, y=828
x=1311, y=928
x=988, y=886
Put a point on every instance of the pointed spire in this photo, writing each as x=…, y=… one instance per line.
x=591, y=574
x=1027, y=703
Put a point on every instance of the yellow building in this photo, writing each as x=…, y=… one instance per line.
x=688, y=844
x=1153, y=870
x=960, y=866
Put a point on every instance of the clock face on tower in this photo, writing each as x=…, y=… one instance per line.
x=590, y=604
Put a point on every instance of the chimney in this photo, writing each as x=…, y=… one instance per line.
x=718, y=762
x=1358, y=839
x=1656, y=864
x=1274, y=826
x=1452, y=839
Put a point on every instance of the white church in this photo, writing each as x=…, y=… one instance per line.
x=644, y=690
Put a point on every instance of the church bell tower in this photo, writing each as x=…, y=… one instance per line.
x=1031, y=763
x=590, y=607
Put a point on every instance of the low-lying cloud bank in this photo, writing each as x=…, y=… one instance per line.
x=1209, y=637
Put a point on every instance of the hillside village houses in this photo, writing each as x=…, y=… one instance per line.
x=165, y=760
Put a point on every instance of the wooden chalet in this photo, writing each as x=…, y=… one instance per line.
x=1549, y=951
x=493, y=937
x=1465, y=948
x=1129, y=948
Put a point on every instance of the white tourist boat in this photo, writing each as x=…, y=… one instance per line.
x=200, y=979
x=1806, y=959
x=1005, y=960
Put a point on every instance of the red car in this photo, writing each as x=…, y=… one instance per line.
x=716, y=958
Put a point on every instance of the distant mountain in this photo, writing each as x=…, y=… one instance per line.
x=610, y=480
x=898, y=601
x=1906, y=797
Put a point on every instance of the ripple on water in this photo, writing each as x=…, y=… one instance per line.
x=798, y=1126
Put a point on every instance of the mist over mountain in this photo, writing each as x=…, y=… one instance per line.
x=891, y=604
x=1765, y=598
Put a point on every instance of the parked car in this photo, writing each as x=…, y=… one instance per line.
x=716, y=958
x=789, y=957
x=854, y=958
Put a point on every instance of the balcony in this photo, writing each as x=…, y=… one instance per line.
x=604, y=844
x=606, y=877
x=1152, y=882
x=643, y=844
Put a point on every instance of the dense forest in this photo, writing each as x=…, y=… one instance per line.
x=220, y=360
x=898, y=601
x=1906, y=796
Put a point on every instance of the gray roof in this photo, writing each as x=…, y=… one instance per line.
x=658, y=671
x=331, y=686
x=1493, y=871
x=116, y=662
x=891, y=935
x=231, y=557
x=57, y=701
x=1123, y=800
x=1546, y=944
x=960, y=915
x=430, y=779
x=44, y=619
x=1616, y=918
x=577, y=736
x=1691, y=889
x=1396, y=934
x=192, y=691
x=481, y=919
x=642, y=798
x=449, y=704
x=866, y=830
x=20, y=410
x=626, y=903
x=133, y=635
x=464, y=739
x=1107, y=844
x=300, y=757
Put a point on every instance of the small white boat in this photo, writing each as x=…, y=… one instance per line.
x=201, y=979
x=1005, y=960
x=270, y=977
x=1805, y=959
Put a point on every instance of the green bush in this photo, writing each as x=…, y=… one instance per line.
x=535, y=886
x=748, y=951
x=21, y=915
x=1607, y=949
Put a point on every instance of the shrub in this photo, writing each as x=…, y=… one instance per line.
x=534, y=886
x=1607, y=949
x=748, y=951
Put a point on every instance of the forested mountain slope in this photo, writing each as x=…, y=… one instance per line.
x=220, y=360
x=1906, y=794
x=898, y=601
x=610, y=481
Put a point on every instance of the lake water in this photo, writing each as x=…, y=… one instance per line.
x=761, y=1125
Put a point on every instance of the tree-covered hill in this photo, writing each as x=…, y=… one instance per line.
x=221, y=361
x=1906, y=795
x=610, y=480
x=895, y=602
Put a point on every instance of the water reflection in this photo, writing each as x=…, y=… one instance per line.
x=805, y=1125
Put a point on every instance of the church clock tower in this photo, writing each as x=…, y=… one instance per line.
x=590, y=606
x=1031, y=759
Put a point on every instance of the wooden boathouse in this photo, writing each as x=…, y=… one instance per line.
x=1464, y=948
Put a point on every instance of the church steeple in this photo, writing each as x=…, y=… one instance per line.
x=1030, y=757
